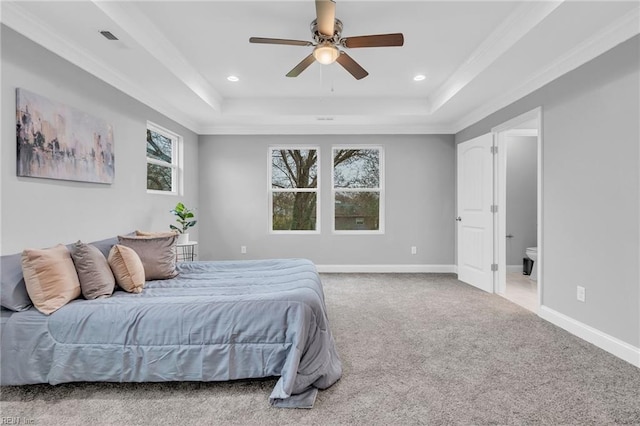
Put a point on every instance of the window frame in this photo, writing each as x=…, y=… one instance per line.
x=176, y=164
x=380, y=190
x=271, y=190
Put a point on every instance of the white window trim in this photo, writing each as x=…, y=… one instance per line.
x=380, y=190
x=177, y=166
x=270, y=190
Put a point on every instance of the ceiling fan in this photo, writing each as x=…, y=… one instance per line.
x=326, y=31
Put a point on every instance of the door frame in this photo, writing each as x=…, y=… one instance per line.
x=500, y=134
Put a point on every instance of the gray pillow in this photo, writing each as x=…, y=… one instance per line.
x=94, y=273
x=13, y=291
x=158, y=254
x=105, y=245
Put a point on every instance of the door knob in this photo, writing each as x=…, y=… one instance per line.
x=458, y=219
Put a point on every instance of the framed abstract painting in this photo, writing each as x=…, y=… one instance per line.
x=56, y=141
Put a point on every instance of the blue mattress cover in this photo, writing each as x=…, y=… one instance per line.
x=214, y=321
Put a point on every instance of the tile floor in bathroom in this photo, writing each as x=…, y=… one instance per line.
x=522, y=291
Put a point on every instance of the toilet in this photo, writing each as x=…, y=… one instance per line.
x=532, y=253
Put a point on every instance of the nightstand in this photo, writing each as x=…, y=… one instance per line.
x=186, y=252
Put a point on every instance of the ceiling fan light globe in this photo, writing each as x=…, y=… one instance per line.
x=326, y=54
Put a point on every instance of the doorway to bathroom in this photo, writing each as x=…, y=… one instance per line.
x=518, y=189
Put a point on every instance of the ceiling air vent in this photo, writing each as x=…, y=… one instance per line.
x=108, y=35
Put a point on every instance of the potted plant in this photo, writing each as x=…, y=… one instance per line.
x=185, y=219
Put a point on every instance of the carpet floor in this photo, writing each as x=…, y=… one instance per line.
x=416, y=349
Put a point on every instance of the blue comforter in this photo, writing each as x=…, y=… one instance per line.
x=215, y=321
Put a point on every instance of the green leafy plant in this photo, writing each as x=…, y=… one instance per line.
x=184, y=218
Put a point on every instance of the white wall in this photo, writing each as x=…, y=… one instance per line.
x=44, y=212
x=419, y=174
x=591, y=192
x=522, y=196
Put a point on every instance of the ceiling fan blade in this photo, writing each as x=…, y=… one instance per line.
x=326, y=14
x=379, y=40
x=303, y=65
x=288, y=42
x=352, y=66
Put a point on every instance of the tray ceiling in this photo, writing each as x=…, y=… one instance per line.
x=175, y=56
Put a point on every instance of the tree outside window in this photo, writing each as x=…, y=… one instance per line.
x=357, y=190
x=294, y=189
x=162, y=159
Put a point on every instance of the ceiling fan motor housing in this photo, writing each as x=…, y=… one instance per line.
x=321, y=38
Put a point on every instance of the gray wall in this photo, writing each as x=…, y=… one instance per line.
x=522, y=203
x=591, y=189
x=44, y=212
x=419, y=202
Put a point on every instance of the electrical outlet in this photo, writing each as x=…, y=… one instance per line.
x=581, y=294
x=414, y=250
x=243, y=249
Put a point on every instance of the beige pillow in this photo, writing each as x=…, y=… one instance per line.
x=155, y=234
x=94, y=273
x=50, y=277
x=158, y=254
x=127, y=268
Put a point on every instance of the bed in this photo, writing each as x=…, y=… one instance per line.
x=215, y=321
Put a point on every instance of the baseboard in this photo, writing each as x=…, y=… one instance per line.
x=386, y=269
x=514, y=268
x=614, y=346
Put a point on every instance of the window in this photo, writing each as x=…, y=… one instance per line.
x=162, y=160
x=358, y=190
x=293, y=176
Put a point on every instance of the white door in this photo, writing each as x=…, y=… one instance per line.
x=475, y=219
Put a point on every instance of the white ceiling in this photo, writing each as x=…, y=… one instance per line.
x=478, y=56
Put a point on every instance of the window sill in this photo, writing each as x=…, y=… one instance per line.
x=155, y=191
x=317, y=232
x=381, y=232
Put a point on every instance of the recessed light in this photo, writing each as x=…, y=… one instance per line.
x=419, y=77
x=233, y=78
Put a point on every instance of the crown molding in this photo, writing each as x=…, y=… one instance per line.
x=326, y=129
x=38, y=31
x=324, y=116
x=606, y=39
x=326, y=107
x=503, y=38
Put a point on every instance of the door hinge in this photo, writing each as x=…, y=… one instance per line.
x=494, y=149
x=494, y=267
x=494, y=208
